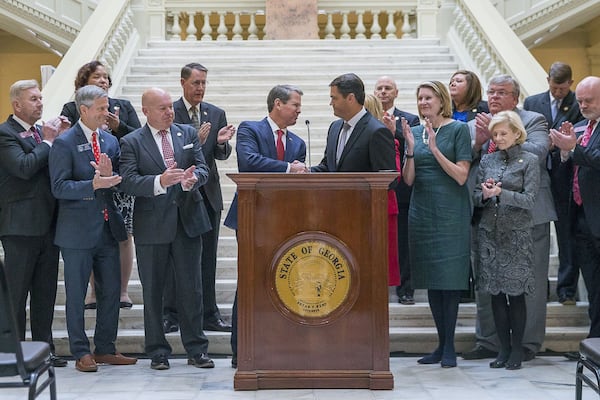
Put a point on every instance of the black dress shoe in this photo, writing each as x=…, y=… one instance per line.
x=57, y=361
x=479, y=353
x=160, y=362
x=406, y=299
x=169, y=326
x=201, y=361
x=126, y=305
x=217, y=325
x=572, y=355
x=567, y=300
x=234, y=361
x=528, y=354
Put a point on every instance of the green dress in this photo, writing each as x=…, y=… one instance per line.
x=440, y=214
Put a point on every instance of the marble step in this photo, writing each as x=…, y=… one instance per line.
x=402, y=339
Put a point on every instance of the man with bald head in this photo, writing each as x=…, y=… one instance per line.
x=387, y=91
x=580, y=158
x=163, y=166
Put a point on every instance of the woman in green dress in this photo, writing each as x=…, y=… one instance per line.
x=437, y=161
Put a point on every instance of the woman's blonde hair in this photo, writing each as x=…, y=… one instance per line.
x=514, y=123
x=374, y=106
x=440, y=90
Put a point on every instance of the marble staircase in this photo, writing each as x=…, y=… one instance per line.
x=240, y=76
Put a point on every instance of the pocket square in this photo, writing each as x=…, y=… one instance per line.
x=188, y=146
x=25, y=134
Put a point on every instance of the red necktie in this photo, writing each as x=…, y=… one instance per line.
x=167, y=149
x=280, y=148
x=491, y=147
x=35, y=134
x=96, y=150
x=584, y=141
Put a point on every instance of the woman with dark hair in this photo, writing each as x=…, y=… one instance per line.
x=121, y=120
x=436, y=165
x=465, y=91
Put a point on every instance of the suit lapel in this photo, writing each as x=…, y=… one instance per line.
x=290, y=147
x=177, y=139
x=269, y=139
x=81, y=140
x=356, y=132
x=181, y=113
x=594, y=138
x=149, y=144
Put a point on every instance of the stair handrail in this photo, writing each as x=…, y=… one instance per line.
x=109, y=35
x=484, y=43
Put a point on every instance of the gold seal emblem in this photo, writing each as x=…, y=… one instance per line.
x=313, y=277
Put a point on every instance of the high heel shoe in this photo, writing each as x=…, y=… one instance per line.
x=449, y=361
x=497, y=363
x=513, y=365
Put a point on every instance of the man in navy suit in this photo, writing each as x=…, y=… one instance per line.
x=163, y=166
x=387, y=91
x=268, y=146
x=357, y=142
x=558, y=105
x=214, y=133
x=89, y=227
x=28, y=211
x=580, y=152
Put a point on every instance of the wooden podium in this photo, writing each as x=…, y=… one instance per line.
x=313, y=281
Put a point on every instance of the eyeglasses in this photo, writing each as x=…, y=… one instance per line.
x=500, y=93
x=200, y=83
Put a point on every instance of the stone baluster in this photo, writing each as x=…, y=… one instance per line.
x=237, y=28
x=222, y=29
x=360, y=26
x=176, y=30
x=375, y=28
x=345, y=28
x=191, y=28
x=329, y=28
x=206, y=28
x=252, y=28
x=406, y=28
x=390, y=28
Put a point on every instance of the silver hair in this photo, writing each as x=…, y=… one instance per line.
x=20, y=86
x=506, y=79
x=86, y=95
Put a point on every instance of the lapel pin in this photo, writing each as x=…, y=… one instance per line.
x=205, y=113
x=178, y=133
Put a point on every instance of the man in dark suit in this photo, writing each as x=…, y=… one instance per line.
x=387, y=91
x=214, y=133
x=268, y=146
x=580, y=153
x=89, y=227
x=163, y=166
x=558, y=105
x=357, y=142
x=503, y=94
x=28, y=211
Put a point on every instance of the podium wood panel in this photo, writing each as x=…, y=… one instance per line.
x=276, y=351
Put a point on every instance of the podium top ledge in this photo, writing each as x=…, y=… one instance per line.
x=282, y=180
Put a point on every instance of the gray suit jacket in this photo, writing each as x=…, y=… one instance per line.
x=538, y=143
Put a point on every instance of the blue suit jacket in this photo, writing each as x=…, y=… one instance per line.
x=256, y=152
x=81, y=209
x=128, y=119
x=370, y=148
x=155, y=218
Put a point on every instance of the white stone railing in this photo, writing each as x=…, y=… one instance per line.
x=245, y=19
x=110, y=36
x=485, y=44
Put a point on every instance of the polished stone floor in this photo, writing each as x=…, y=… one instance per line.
x=544, y=378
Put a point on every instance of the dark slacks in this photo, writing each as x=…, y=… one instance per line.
x=182, y=256
x=405, y=287
x=586, y=255
x=208, y=267
x=31, y=264
x=79, y=263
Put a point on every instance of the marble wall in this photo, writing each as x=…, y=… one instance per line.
x=291, y=19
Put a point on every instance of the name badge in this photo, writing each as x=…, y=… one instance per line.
x=84, y=147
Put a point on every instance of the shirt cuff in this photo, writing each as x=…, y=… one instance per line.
x=158, y=189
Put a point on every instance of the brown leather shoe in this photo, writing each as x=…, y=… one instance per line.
x=86, y=364
x=114, y=359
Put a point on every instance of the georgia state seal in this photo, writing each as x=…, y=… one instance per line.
x=313, y=276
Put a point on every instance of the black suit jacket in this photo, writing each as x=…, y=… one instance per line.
x=568, y=111
x=370, y=148
x=588, y=160
x=403, y=191
x=128, y=119
x=27, y=206
x=211, y=150
x=155, y=218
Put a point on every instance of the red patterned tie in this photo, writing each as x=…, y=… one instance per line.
x=280, y=148
x=168, y=154
x=584, y=141
x=96, y=150
x=491, y=147
x=35, y=134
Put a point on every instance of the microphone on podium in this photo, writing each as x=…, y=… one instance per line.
x=307, y=122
